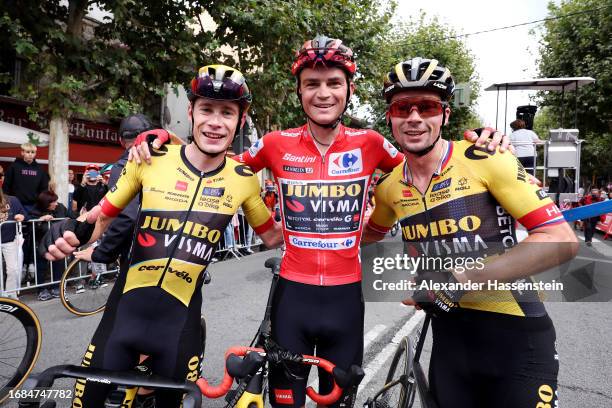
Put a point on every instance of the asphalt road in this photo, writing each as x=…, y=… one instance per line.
x=234, y=304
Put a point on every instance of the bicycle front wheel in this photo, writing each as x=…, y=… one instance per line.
x=20, y=340
x=399, y=389
x=85, y=286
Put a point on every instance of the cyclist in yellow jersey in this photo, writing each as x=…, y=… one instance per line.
x=455, y=199
x=189, y=195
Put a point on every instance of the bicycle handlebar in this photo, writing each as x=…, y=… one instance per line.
x=193, y=397
x=339, y=375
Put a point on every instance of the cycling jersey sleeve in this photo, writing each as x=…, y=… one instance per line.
x=128, y=185
x=383, y=217
x=389, y=156
x=509, y=183
x=254, y=157
x=255, y=210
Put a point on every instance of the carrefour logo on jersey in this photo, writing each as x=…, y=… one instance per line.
x=325, y=244
x=344, y=163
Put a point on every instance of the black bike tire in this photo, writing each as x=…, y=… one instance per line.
x=64, y=296
x=31, y=325
x=203, y=335
x=408, y=392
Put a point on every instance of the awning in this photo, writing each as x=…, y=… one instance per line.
x=543, y=84
x=13, y=135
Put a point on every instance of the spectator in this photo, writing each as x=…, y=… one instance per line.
x=47, y=208
x=590, y=223
x=10, y=210
x=91, y=192
x=25, y=179
x=524, y=141
x=71, y=188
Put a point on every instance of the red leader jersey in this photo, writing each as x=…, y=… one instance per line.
x=322, y=198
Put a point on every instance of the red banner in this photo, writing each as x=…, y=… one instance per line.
x=82, y=130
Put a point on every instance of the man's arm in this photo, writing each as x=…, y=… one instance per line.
x=273, y=237
x=383, y=217
x=544, y=248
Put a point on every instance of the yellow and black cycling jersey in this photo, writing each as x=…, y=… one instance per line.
x=468, y=210
x=183, y=215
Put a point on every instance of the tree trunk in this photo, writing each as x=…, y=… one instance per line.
x=58, y=157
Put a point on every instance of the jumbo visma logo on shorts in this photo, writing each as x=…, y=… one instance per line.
x=322, y=206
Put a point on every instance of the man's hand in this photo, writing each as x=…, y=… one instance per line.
x=19, y=217
x=85, y=255
x=436, y=301
x=64, y=237
x=481, y=136
x=140, y=150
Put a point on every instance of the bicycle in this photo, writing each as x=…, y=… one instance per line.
x=405, y=377
x=20, y=342
x=35, y=387
x=251, y=372
x=85, y=286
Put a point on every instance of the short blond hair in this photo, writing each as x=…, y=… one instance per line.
x=28, y=146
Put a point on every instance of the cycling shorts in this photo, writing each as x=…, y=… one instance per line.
x=305, y=317
x=484, y=359
x=144, y=321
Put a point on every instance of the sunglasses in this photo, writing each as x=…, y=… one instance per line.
x=426, y=108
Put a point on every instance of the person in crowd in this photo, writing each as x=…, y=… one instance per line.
x=26, y=179
x=524, y=141
x=10, y=210
x=46, y=209
x=88, y=195
x=590, y=223
x=71, y=188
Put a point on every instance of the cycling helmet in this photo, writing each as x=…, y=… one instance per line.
x=131, y=126
x=327, y=52
x=419, y=73
x=221, y=82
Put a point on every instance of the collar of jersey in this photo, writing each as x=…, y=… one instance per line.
x=307, y=136
x=446, y=156
x=195, y=170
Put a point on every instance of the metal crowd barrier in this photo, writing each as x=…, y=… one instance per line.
x=244, y=239
x=20, y=227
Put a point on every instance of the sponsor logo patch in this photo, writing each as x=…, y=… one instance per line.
x=296, y=169
x=463, y=184
x=324, y=244
x=406, y=193
x=146, y=240
x=299, y=159
x=181, y=186
x=541, y=194
x=213, y=191
x=441, y=185
x=284, y=397
x=478, y=153
x=344, y=163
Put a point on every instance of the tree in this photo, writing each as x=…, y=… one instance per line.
x=428, y=38
x=580, y=45
x=75, y=67
x=265, y=34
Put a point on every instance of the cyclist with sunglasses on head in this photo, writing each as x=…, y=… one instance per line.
x=490, y=347
x=189, y=195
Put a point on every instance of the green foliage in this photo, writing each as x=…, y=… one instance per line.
x=75, y=66
x=421, y=37
x=581, y=45
x=265, y=34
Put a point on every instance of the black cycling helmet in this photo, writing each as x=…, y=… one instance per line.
x=419, y=73
x=131, y=126
x=223, y=83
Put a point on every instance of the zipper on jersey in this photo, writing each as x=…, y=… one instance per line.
x=320, y=265
x=178, y=238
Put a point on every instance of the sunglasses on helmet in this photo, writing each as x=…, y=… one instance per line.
x=425, y=107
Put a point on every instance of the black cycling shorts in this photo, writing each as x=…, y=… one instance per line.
x=484, y=359
x=308, y=317
x=144, y=321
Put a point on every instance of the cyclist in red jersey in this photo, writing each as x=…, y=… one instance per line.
x=322, y=171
